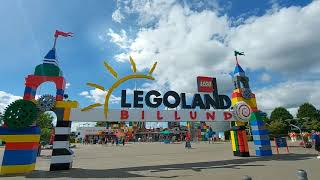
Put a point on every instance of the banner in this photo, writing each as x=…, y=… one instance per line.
x=152, y=115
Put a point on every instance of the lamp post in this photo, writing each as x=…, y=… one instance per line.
x=296, y=119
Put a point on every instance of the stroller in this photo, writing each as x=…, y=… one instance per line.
x=306, y=143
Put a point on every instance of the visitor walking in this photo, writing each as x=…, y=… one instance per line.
x=210, y=135
x=188, y=138
x=117, y=141
x=316, y=142
x=106, y=140
x=112, y=141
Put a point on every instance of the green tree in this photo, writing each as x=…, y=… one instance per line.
x=309, y=116
x=1, y=118
x=280, y=114
x=307, y=110
x=278, y=123
x=45, y=123
x=277, y=127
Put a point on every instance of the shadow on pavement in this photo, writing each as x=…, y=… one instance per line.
x=129, y=172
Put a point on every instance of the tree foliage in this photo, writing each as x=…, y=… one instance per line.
x=307, y=110
x=277, y=127
x=278, y=123
x=45, y=123
x=280, y=114
x=1, y=118
x=309, y=116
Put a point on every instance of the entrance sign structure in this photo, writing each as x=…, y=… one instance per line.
x=22, y=135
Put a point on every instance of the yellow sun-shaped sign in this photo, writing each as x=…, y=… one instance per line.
x=117, y=83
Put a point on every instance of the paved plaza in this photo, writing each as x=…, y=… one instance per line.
x=173, y=161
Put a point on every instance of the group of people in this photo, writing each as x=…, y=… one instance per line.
x=112, y=140
x=308, y=139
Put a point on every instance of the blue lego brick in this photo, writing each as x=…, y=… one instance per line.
x=19, y=157
x=264, y=152
x=261, y=137
x=29, y=90
x=261, y=142
x=60, y=92
x=29, y=130
x=256, y=123
x=261, y=132
x=258, y=128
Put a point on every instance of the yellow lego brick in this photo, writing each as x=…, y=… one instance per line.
x=66, y=114
x=67, y=104
x=20, y=138
x=233, y=141
x=240, y=123
x=14, y=169
x=251, y=102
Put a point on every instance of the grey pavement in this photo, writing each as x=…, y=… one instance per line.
x=173, y=161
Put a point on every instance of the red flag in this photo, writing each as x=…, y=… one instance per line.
x=60, y=33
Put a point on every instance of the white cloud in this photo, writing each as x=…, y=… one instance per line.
x=122, y=57
x=84, y=93
x=149, y=10
x=289, y=94
x=98, y=96
x=283, y=41
x=68, y=85
x=6, y=99
x=265, y=77
x=120, y=39
x=202, y=42
x=117, y=16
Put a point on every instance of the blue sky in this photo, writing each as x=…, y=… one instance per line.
x=277, y=36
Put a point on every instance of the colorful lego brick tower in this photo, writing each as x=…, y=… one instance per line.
x=242, y=93
x=49, y=71
x=20, y=131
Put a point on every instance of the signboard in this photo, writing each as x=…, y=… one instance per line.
x=151, y=115
x=280, y=143
x=209, y=106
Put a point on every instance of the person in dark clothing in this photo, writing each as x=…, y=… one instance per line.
x=39, y=150
x=123, y=141
x=188, y=139
x=316, y=142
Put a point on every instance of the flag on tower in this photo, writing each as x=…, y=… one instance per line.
x=236, y=53
x=61, y=33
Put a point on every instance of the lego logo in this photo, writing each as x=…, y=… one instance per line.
x=206, y=84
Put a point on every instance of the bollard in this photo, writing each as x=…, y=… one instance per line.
x=302, y=174
x=246, y=178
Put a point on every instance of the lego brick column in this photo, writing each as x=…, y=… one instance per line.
x=21, y=149
x=239, y=141
x=61, y=153
x=260, y=135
